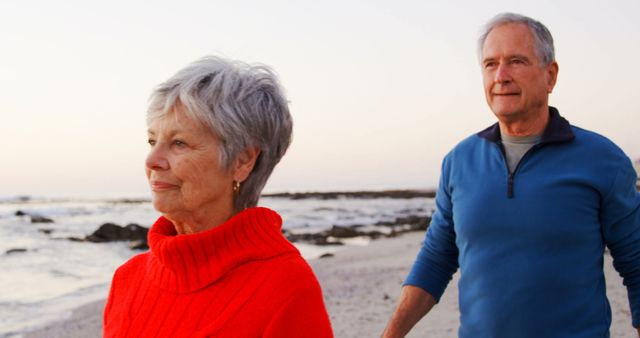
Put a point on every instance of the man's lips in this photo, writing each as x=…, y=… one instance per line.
x=160, y=185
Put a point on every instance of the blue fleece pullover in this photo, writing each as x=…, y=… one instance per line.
x=530, y=245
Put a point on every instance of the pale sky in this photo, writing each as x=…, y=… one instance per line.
x=380, y=91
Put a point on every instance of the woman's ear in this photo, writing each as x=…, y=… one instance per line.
x=244, y=163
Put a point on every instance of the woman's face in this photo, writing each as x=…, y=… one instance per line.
x=183, y=167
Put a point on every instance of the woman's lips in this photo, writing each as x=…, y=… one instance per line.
x=160, y=186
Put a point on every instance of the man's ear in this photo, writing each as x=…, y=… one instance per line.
x=244, y=163
x=552, y=73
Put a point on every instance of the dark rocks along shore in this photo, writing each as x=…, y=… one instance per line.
x=355, y=194
x=34, y=217
x=136, y=235
x=335, y=234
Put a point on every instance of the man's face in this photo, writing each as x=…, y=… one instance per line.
x=516, y=84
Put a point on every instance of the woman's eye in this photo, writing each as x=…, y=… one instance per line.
x=151, y=142
x=179, y=144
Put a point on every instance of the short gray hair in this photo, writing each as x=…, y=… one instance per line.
x=542, y=36
x=242, y=104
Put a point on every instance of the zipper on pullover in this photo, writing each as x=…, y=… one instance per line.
x=511, y=175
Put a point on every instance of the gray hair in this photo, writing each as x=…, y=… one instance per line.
x=243, y=105
x=542, y=36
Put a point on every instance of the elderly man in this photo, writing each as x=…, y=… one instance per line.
x=525, y=209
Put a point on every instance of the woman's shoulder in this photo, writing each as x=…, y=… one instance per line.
x=300, y=311
x=135, y=265
x=292, y=270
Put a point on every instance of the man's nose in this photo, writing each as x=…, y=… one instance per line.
x=502, y=74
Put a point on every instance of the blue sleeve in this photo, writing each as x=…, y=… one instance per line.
x=620, y=220
x=437, y=260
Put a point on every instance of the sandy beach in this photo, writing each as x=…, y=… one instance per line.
x=361, y=285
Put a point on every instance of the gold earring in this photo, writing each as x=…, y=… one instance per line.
x=236, y=186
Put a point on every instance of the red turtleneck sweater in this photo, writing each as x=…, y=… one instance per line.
x=239, y=279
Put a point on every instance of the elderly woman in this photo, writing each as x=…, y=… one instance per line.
x=218, y=265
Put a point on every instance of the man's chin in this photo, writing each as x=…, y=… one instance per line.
x=505, y=113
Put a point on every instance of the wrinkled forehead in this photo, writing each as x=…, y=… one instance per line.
x=176, y=117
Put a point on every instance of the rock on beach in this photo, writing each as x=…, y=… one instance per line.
x=110, y=232
x=35, y=218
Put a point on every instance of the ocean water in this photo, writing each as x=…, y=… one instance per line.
x=53, y=275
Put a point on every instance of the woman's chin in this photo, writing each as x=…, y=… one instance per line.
x=162, y=204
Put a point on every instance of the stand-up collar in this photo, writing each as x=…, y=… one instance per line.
x=185, y=263
x=558, y=130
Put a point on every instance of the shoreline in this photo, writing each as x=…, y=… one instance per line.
x=305, y=231
x=361, y=285
x=125, y=198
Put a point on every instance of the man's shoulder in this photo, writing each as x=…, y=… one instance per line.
x=598, y=155
x=470, y=143
x=595, y=142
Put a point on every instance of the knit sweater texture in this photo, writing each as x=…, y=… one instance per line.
x=239, y=279
x=530, y=244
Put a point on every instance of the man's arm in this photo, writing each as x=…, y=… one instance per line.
x=619, y=217
x=620, y=221
x=434, y=266
x=414, y=303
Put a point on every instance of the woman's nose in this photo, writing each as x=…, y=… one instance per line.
x=157, y=159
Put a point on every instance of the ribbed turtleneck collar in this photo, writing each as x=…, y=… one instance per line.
x=185, y=263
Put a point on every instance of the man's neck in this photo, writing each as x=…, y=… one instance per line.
x=525, y=126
